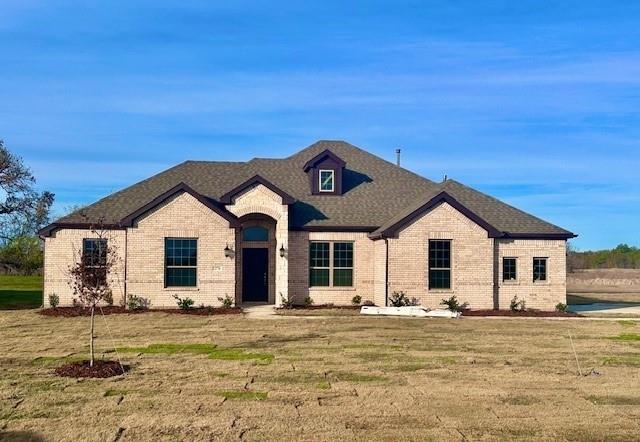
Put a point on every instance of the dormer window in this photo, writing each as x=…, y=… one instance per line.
x=326, y=183
x=325, y=173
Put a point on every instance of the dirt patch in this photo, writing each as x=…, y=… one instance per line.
x=68, y=312
x=528, y=313
x=100, y=369
x=522, y=370
x=604, y=281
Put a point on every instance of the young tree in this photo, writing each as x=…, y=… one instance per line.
x=90, y=276
x=22, y=210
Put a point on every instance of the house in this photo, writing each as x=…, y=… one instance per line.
x=329, y=222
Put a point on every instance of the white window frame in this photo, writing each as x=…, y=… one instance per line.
x=333, y=180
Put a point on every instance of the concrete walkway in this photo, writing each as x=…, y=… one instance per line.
x=259, y=311
x=618, y=308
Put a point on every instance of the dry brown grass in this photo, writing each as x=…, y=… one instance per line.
x=330, y=379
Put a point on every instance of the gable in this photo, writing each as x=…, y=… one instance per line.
x=258, y=199
x=410, y=216
x=253, y=182
x=443, y=221
x=171, y=212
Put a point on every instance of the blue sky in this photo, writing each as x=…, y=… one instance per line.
x=533, y=102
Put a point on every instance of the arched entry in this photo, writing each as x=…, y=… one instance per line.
x=257, y=246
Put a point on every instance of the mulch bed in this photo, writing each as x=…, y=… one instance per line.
x=322, y=307
x=69, y=312
x=100, y=369
x=528, y=313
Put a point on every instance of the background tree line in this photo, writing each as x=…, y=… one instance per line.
x=23, y=211
x=622, y=257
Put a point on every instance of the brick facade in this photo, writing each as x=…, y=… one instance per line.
x=542, y=295
x=476, y=258
x=363, y=268
x=471, y=260
x=64, y=248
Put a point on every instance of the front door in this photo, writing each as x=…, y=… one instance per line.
x=255, y=271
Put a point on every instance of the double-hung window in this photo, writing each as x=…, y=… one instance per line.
x=439, y=264
x=181, y=262
x=509, y=271
x=330, y=264
x=539, y=269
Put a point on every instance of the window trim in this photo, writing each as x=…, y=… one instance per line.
x=333, y=181
x=546, y=270
x=429, y=268
x=332, y=267
x=180, y=287
x=515, y=269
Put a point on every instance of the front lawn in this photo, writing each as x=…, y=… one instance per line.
x=20, y=292
x=340, y=378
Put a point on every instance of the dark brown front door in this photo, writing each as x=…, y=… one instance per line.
x=255, y=270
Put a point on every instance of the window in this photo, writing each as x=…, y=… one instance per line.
x=509, y=269
x=94, y=251
x=539, y=269
x=326, y=180
x=439, y=264
x=255, y=234
x=343, y=264
x=94, y=256
x=331, y=264
x=319, y=264
x=181, y=261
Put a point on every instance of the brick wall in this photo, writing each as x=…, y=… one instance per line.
x=260, y=199
x=542, y=295
x=182, y=217
x=363, y=272
x=472, y=255
x=63, y=249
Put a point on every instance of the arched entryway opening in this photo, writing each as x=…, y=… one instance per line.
x=256, y=260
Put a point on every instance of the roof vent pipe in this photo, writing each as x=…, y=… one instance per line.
x=398, y=157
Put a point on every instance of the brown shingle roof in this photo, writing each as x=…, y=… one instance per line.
x=375, y=191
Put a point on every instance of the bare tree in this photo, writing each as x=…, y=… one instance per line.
x=90, y=276
x=22, y=210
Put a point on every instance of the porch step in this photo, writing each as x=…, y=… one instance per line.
x=259, y=311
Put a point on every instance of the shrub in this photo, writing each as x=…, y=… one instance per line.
x=108, y=298
x=453, y=304
x=308, y=301
x=399, y=299
x=54, y=300
x=227, y=301
x=137, y=303
x=517, y=306
x=286, y=302
x=356, y=300
x=184, y=303
x=368, y=303
x=560, y=307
